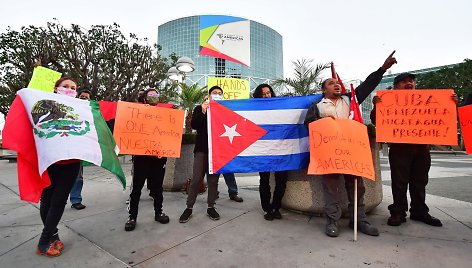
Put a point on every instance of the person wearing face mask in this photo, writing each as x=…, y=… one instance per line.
x=200, y=162
x=335, y=104
x=152, y=169
x=271, y=209
x=140, y=99
x=141, y=96
x=54, y=197
x=76, y=192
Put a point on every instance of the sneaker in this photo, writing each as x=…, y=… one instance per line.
x=268, y=216
x=331, y=228
x=396, y=220
x=186, y=215
x=78, y=206
x=162, y=218
x=236, y=198
x=51, y=251
x=130, y=225
x=58, y=245
x=213, y=214
x=365, y=227
x=426, y=218
x=277, y=214
x=56, y=242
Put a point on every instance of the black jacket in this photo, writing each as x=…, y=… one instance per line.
x=199, y=123
x=468, y=100
x=362, y=91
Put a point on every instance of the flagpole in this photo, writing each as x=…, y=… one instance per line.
x=355, y=209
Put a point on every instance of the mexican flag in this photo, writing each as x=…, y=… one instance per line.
x=44, y=128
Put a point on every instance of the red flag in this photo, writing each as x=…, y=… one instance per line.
x=232, y=132
x=18, y=136
x=335, y=75
x=354, y=109
x=108, y=108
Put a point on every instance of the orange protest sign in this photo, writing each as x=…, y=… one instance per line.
x=417, y=116
x=465, y=118
x=148, y=130
x=340, y=146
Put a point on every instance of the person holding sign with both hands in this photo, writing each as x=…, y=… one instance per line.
x=153, y=169
x=337, y=105
x=409, y=165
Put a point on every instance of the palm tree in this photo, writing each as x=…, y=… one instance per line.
x=307, y=80
x=188, y=98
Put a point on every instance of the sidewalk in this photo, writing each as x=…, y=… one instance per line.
x=95, y=236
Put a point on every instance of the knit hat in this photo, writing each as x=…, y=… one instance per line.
x=213, y=88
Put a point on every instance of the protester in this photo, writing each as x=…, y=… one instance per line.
x=230, y=181
x=468, y=100
x=409, y=165
x=140, y=99
x=54, y=197
x=336, y=105
x=272, y=210
x=200, y=163
x=151, y=168
x=76, y=192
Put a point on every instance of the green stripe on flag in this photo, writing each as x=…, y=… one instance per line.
x=107, y=144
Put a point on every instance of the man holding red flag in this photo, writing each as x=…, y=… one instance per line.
x=336, y=104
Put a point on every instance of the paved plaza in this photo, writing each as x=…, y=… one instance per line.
x=95, y=236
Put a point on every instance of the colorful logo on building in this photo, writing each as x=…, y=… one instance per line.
x=51, y=118
x=226, y=38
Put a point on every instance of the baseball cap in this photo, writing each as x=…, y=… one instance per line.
x=402, y=77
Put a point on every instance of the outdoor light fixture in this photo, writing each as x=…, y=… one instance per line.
x=174, y=74
x=185, y=65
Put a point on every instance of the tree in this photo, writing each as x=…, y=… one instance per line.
x=457, y=77
x=190, y=96
x=306, y=81
x=101, y=59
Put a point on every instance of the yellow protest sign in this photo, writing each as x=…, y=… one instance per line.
x=44, y=79
x=233, y=88
x=340, y=146
x=148, y=130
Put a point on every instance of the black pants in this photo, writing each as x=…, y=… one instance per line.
x=264, y=190
x=153, y=169
x=409, y=165
x=54, y=198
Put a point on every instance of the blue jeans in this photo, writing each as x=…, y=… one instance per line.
x=76, y=192
x=231, y=183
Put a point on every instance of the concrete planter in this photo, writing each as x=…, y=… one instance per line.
x=178, y=170
x=304, y=192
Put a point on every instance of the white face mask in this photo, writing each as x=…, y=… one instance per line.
x=216, y=97
x=66, y=91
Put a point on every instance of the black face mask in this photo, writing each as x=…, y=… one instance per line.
x=141, y=99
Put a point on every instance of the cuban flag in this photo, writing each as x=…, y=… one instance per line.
x=257, y=135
